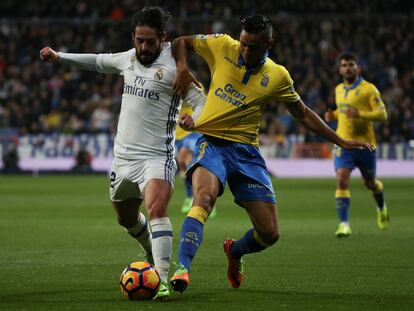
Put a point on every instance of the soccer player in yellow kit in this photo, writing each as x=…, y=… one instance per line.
x=358, y=104
x=243, y=81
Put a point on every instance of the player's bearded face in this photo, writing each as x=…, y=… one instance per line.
x=253, y=47
x=147, y=43
x=349, y=70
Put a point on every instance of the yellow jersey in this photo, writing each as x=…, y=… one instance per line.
x=237, y=96
x=364, y=97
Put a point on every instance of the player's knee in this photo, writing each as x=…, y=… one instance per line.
x=343, y=183
x=206, y=200
x=157, y=210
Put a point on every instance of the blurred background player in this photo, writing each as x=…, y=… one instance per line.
x=243, y=81
x=143, y=169
x=185, y=146
x=358, y=104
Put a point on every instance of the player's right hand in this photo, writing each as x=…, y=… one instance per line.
x=48, y=55
x=186, y=122
x=183, y=80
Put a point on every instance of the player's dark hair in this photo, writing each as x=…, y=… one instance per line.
x=348, y=56
x=151, y=16
x=257, y=24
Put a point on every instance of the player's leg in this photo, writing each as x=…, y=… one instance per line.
x=157, y=194
x=206, y=188
x=183, y=159
x=125, y=197
x=344, y=161
x=252, y=189
x=134, y=222
x=343, y=201
x=265, y=232
x=367, y=166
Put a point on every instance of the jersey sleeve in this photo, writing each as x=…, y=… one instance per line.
x=377, y=106
x=375, y=100
x=285, y=91
x=110, y=63
x=209, y=46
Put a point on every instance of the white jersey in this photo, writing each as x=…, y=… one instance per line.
x=149, y=108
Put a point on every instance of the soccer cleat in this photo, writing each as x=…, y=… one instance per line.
x=235, y=266
x=344, y=230
x=180, y=279
x=163, y=292
x=383, y=219
x=188, y=202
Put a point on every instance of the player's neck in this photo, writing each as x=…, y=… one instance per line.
x=349, y=82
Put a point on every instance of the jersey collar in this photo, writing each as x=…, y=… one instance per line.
x=352, y=86
x=249, y=71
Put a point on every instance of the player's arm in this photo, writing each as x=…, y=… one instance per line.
x=105, y=63
x=313, y=122
x=180, y=49
x=377, y=110
x=376, y=115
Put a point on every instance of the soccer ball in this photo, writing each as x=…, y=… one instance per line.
x=139, y=281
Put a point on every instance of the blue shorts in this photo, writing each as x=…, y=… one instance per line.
x=189, y=142
x=364, y=160
x=239, y=164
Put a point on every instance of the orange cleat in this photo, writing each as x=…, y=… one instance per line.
x=235, y=267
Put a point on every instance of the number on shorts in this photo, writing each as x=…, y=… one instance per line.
x=112, y=180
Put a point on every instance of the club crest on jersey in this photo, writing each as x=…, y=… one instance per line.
x=265, y=80
x=158, y=75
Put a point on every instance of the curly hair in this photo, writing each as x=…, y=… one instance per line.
x=153, y=16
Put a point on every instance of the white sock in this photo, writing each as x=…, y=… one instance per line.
x=161, y=231
x=141, y=233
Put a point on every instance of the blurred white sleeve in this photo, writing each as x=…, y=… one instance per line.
x=104, y=63
x=82, y=61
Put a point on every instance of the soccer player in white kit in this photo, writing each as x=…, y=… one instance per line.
x=144, y=167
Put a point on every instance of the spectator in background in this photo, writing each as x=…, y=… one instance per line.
x=83, y=161
x=322, y=36
x=11, y=159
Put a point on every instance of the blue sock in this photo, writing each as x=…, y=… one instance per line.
x=190, y=240
x=188, y=188
x=246, y=245
x=379, y=198
x=342, y=208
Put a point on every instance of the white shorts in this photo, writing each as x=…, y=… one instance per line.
x=128, y=178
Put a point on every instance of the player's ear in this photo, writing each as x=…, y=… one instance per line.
x=163, y=36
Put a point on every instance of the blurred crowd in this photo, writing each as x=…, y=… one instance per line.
x=36, y=97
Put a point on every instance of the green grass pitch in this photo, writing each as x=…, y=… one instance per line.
x=61, y=249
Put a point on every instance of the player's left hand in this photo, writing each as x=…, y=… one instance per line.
x=186, y=122
x=352, y=112
x=357, y=145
